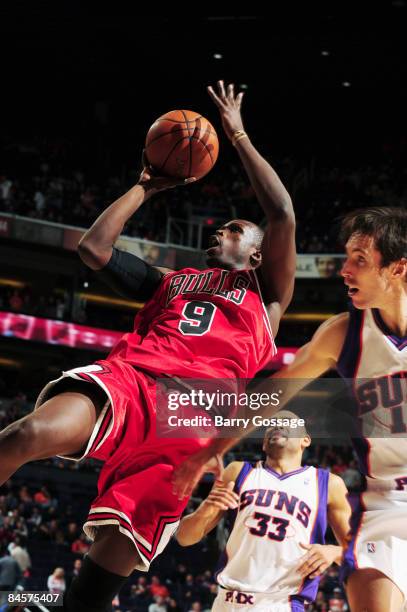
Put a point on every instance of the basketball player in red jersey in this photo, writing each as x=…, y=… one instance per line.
x=214, y=323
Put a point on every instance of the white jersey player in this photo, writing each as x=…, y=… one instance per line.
x=369, y=345
x=279, y=510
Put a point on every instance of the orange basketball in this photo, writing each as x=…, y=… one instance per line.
x=181, y=144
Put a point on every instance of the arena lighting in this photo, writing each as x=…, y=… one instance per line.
x=11, y=363
x=308, y=316
x=104, y=299
x=325, y=53
x=345, y=84
x=217, y=56
x=243, y=86
x=12, y=283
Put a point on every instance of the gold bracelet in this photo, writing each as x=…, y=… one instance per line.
x=238, y=135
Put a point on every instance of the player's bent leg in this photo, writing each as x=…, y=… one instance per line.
x=111, y=559
x=60, y=426
x=369, y=590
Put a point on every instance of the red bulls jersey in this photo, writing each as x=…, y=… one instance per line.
x=201, y=324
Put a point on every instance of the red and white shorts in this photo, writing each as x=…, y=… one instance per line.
x=134, y=486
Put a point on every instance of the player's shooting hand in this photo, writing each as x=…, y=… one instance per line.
x=221, y=497
x=187, y=475
x=317, y=559
x=152, y=182
x=229, y=106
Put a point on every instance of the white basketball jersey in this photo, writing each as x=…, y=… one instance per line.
x=377, y=361
x=276, y=512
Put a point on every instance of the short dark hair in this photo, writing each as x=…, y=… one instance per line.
x=386, y=225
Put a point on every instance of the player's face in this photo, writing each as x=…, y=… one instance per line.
x=232, y=246
x=369, y=284
x=279, y=441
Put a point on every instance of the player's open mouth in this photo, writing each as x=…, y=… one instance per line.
x=352, y=291
x=214, y=242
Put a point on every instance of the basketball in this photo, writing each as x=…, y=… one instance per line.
x=182, y=144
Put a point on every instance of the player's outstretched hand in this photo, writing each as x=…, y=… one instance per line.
x=317, y=559
x=187, y=475
x=221, y=497
x=229, y=106
x=152, y=182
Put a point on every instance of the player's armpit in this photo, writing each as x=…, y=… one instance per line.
x=339, y=510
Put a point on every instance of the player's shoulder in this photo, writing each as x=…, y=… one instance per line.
x=336, y=487
x=338, y=324
x=330, y=336
x=186, y=271
x=232, y=470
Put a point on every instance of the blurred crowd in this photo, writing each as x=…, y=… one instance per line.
x=50, y=188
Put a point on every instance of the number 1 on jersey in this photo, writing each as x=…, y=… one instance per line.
x=198, y=317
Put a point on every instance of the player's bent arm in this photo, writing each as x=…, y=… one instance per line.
x=96, y=245
x=195, y=526
x=311, y=360
x=321, y=353
x=339, y=510
x=278, y=251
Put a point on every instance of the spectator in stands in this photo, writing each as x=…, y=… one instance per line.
x=72, y=533
x=352, y=477
x=43, y=498
x=35, y=519
x=180, y=573
x=337, y=602
x=339, y=466
x=56, y=581
x=5, y=188
x=10, y=572
x=16, y=301
x=156, y=588
x=196, y=607
x=25, y=495
x=139, y=593
x=159, y=605
x=173, y=606
x=20, y=554
x=77, y=564
x=6, y=531
x=192, y=591
x=81, y=545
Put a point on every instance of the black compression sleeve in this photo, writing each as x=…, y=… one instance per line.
x=130, y=276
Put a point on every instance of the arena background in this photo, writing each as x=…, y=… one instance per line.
x=325, y=102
